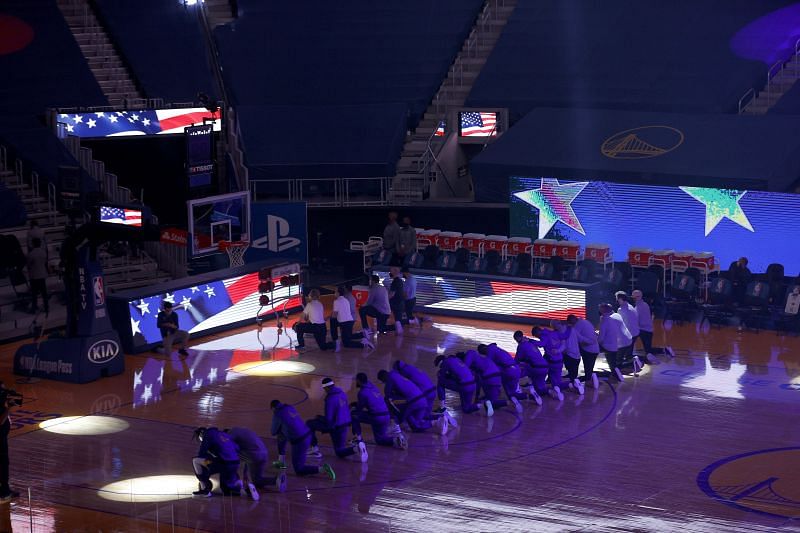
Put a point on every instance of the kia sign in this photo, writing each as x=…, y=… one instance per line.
x=103, y=351
x=279, y=231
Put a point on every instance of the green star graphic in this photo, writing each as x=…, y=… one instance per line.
x=720, y=203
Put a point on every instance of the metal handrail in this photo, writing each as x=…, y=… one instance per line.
x=770, y=76
x=752, y=93
x=51, y=200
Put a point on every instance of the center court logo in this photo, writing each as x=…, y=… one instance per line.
x=277, y=238
x=642, y=143
x=764, y=481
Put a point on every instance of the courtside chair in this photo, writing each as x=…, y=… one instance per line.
x=508, y=267
x=719, y=308
x=431, y=255
x=477, y=265
x=414, y=260
x=754, y=311
x=543, y=271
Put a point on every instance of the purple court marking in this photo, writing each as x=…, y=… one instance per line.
x=703, y=480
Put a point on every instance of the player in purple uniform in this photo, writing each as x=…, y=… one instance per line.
x=553, y=342
x=335, y=421
x=533, y=365
x=509, y=369
x=253, y=456
x=420, y=379
x=288, y=427
x=371, y=409
x=489, y=380
x=456, y=376
x=407, y=403
x=218, y=454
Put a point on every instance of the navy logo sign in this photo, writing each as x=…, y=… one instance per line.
x=99, y=293
x=103, y=351
x=642, y=143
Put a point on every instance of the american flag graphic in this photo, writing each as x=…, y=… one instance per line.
x=440, y=129
x=478, y=124
x=118, y=215
x=125, y=123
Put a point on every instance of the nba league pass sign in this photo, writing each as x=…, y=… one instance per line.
x=279, y=231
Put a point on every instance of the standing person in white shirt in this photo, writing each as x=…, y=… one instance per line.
x=646, y=330
x=631, y=319
x=377, y=306
x=313, y=322
x=572, y=356
x=612, y=330
x=587, y=346
x=410, y=290
x=342, y=316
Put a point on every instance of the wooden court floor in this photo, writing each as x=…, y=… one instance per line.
x=708, y=441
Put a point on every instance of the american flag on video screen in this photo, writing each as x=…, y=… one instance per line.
x=440, y=129
x=118, y=215
x=478, y=124
x=123, y=123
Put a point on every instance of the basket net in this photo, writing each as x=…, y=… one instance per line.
x=235, y=250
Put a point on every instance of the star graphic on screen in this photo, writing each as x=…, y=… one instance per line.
x=100, y=114
x=112, y=118
x=186, y=303
x=209, y=291
x=78, y=119
x=144, y=307
x=169, y=298
x=91, y=123
x=64, y=115
x=146, y=121
x=135, y=326
x=137, y=379
x=720, y=203
x=70, y=128
x=195, y=289
x=554, y=202
x=147, y=394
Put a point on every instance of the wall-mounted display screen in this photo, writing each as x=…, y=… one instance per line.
x=200, y=155
x=129, y=122
x=478, y=124
x=120, y=215
x=729, y=223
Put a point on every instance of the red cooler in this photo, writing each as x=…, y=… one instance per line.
x=473, y=242
x=518, y=245
x=449, y=240
x=360, y=293
x=427, y=236
x=662, y=258
x=496, y=242
x=569, y=250
x=544, y=248
x=598, y=252
x=682, y=260
x=639, y=257
x=703, y=261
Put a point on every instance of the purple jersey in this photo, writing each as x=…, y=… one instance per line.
x=370, y=399
x=552, y=341
x=528, y=352
x=483, y=367
x=398, y=387
x=455, y=368
x=218, y=445
x=337, y=412
x=416, y=376
x=501, y=358
x=286, y=421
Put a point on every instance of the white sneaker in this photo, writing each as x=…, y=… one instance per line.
x=338, y=346
x=489, y=408
x=362, y=452
x=619, y=375
x=670, y=351
x=535, y=396
x=398, y=328
x=280, y=482
x=367, y=332
x=595, y=381
x=413, y=321
x=559, y=394
x=652, y=359
x=443, y=426
x=579, y=386
x=367, y=344
x=253, y=492
x=637, y=365
x=314, y=452
x=450, y=420
x=517, y=405
x=400, y=442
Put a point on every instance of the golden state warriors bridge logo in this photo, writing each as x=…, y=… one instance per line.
x=765, y=481
x=642, y=142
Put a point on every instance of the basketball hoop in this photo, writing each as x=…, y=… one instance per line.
x=235, y=250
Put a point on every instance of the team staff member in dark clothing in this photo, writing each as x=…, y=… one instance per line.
x=397, y=299
x=289, y=428
x=218, y=454
x=6, y=494
x=167, y=322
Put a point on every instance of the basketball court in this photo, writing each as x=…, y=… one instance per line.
x=689, y=444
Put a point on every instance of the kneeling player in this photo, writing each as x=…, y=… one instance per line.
x=335, y=421
x=254, y=456
x=456, y=376
x=289, y=428
x=371, y=409
x=218, y=454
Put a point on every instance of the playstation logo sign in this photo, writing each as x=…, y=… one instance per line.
x=277, y=238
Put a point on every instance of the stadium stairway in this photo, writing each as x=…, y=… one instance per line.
x=779, y=81
x=415, y=168
x=113, y=77
x=218, y=12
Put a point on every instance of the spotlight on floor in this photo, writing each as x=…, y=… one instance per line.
x=84, y=425
x=149, y=489
x=273, y=368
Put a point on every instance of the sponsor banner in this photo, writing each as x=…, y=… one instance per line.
x=175, y=236
x=279, y=231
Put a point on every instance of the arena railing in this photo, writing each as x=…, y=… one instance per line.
x=323, y=192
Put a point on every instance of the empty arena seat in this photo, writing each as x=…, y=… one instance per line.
x=477, y=264
x=414, y=260
x=508, y=267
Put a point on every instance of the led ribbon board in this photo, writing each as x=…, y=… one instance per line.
x=126, y=123
x=729, y=223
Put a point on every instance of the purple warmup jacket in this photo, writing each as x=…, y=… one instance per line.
x=455, y=368
x=370, y=399
x=287, y=422
x=337, y=411
x=528, y=352
x=416, y=376
x=499, y=356
x=398, y=387
x=483, y=367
